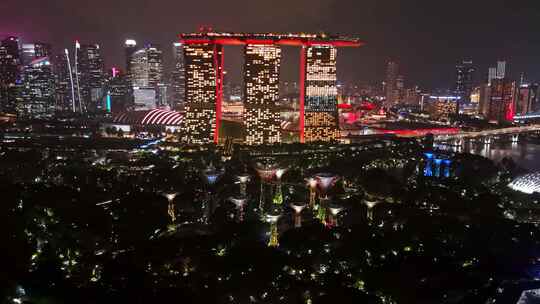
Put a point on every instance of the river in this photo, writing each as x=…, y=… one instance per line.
x=525, y=153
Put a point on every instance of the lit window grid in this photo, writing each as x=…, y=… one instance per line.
x=320, y=106
x=200, y=94
x=200, y=125
x=261, y=72
x=261, y=126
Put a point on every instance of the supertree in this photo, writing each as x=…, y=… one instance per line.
x=325, y=181
x=333, y=215
x=312, y=185
x=243, y=179
x=266, y=170
x=240, y=203
x=278, y=197
x=272, y=217
x=298, y=207
x=170, y=196
x=211, y=176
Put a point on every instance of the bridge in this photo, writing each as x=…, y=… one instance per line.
x=486, y=136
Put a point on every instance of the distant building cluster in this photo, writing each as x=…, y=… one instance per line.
x=497, y=98
x=37, y=84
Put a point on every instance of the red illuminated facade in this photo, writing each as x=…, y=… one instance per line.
x=502, y=100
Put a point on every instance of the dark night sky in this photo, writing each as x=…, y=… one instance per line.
x=426, y=36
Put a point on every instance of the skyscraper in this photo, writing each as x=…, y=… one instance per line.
x=155, y=64
x=527, y=99
x=117, y=92
x=492, y=74
x=321, y=115
x=502, y=100
x=91, y=77
x=146, y=74
x=146, y=67
x=37, y=90
x=63, y=89
x=36, y=50
x=10, y=62
x=501, y=69
x=485, y=93
x=130, y=47
x=204, y=67
x=392, y=95
x=261, y=82
x=464, y=80
x=178, y=78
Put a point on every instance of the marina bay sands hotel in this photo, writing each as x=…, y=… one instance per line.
x=204, y=57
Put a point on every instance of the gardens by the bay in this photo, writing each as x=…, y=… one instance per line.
x=317, y=223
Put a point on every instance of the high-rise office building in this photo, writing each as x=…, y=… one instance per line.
x=464, y=80
x=63, y=88
x=10, y=62
x=91, y=74
x=130, y=47
x=484, y=99
x=146, y=67
x=492, y=74
x=501, y=69
x=261, y=82
x=178, y=78
x=138, y=71
x=146, y=73
x=400, y=88
x=527, y=99
x=502, y=100
x=33, y=51
x=37, y=90
x=392, y=94
x=155, y=65
x=320, y=106
x=118, y=91
x=204, y=70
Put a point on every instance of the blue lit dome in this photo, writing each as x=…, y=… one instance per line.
x=528, y=183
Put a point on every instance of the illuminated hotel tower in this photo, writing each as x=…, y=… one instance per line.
x=261, y=83
x=204, y=90
x=203, y=54
x=319, y=115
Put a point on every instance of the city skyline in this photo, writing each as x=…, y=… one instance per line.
x=473, y=35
